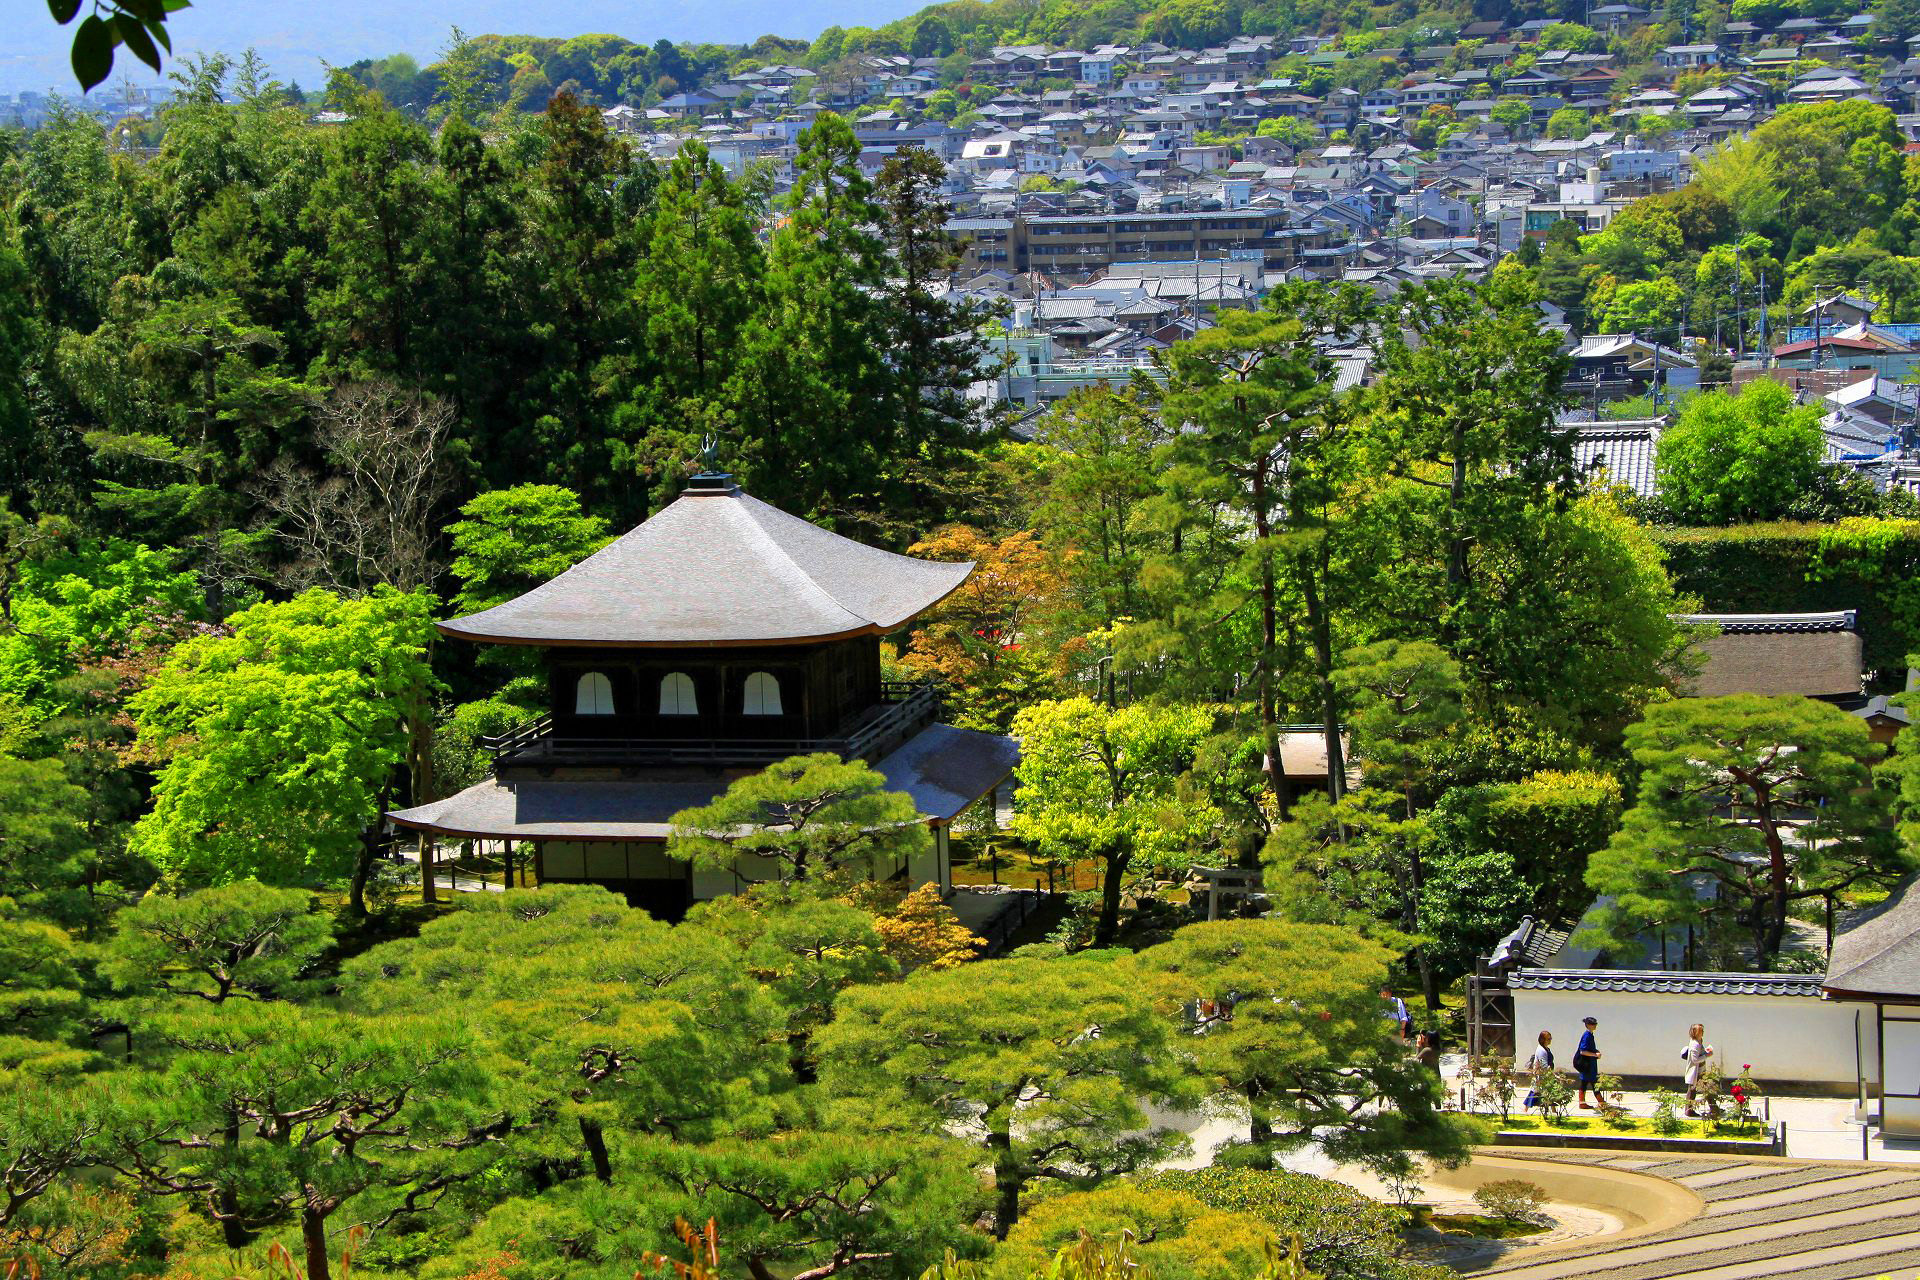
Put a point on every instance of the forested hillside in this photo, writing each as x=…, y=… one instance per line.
x=558, y=310
x=1818, y=199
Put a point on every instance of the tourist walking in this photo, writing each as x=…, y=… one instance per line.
x=1695, y=1055
x=1586, y=1064
x=1397, y=1010
x=1538, y=1067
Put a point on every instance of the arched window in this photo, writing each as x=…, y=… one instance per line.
x=677, y=696
x=762, y=695
x=593, y=696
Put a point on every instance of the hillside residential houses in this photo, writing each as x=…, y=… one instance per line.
x=1110, y=200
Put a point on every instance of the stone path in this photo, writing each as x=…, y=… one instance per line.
x=1763, y=1219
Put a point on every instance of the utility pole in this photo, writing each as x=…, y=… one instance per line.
x=1738, y=324
x=1659, y=387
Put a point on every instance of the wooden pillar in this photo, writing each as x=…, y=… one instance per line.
x=426, y=867
x=539, y=863
x=506, y=854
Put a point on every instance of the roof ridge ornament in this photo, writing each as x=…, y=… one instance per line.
x=710, y=480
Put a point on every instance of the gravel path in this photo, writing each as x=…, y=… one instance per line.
x=1763, y=1219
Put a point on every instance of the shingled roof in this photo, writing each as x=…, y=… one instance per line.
x=1670, y=982
x=718, y=567
x=1877, y=953
x=1814, y=654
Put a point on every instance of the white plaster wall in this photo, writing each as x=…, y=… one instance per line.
x=1902, y=1115
x=1786, y=1038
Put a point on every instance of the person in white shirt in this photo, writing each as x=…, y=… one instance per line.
x=1539, y=1066
x=1396, y=1011
x=1695, y=1055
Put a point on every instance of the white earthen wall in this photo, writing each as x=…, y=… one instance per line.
x=1786, y=1038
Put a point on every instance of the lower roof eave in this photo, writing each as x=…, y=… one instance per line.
x=943, y=769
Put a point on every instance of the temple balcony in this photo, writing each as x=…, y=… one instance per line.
x=905, y=710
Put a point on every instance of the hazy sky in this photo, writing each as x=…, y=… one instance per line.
x=296, y=36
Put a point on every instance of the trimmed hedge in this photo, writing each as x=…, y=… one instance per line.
x=1869, y=565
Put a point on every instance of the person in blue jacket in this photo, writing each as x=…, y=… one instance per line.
x=1586, y=1063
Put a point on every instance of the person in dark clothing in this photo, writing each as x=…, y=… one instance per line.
x=1586, y=1064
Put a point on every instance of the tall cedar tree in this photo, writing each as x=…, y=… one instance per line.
x=935, y=353
x=584, y=244
x=698, y=287
x=1468, y=409
x=814, y=386
x=376, y=205
x=473, y=350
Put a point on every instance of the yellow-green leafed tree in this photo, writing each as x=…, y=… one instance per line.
x=1107, y=784
x=284, y=740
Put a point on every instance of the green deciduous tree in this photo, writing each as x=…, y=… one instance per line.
x=286, y=739
x=1504, y=850
x=1733, y=458
x=509, y=541
x=1106, y=784
x=1769, y=800
x=1568, y=122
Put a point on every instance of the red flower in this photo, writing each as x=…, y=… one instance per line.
x=1746, y=1066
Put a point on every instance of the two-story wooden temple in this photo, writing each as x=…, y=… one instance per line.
x=717, y=637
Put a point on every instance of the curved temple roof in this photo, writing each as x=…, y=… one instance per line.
x=718, y=567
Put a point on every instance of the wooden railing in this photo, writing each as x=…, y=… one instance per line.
x=999, y=931
x=905, y=709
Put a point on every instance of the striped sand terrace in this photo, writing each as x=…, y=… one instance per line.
x=1762, y=1219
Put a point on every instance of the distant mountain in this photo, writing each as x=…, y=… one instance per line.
x=296, y=36
x=1189, y=24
